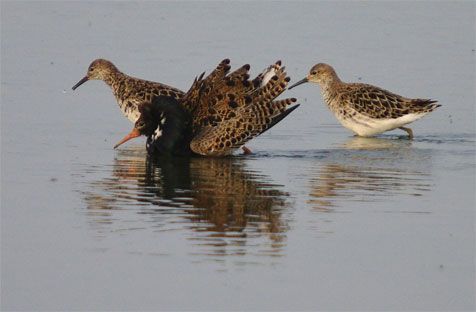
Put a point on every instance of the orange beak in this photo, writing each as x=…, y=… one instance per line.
x=133, y=134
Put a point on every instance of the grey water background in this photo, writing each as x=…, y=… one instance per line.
x=315, y=220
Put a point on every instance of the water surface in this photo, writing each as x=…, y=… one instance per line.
x=315, y=219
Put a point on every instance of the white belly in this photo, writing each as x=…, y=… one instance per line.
x=366, y=126
x=129, y=109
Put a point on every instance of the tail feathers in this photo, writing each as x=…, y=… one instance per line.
x=230, y=134
x=220, y=71
x=191, y=98
x=233, y=110
x=270, y=72
x=239, y=74
x=424, y=105
x=274, y=87
x=236, y=83
x=262, y=116
x=280, y=117
x=262, y=79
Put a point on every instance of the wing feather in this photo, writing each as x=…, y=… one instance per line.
x=378, y=103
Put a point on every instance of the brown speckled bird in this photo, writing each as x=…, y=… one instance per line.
x=219, y=113
x=365, y=109
x=130, y=92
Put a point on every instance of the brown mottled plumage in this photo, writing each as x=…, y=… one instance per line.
x=220, y=112
x=365, y=109
x=130, y=92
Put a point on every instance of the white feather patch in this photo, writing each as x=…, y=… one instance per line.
x=157, y=133
x=268, y=73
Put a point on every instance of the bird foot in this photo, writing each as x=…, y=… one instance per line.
x=409, y=131
x=246, y=151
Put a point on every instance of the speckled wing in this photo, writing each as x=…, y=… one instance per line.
x=378, y=103
x=192, y=99
x=212, y=104
x=235, y=110
x=131, y=92
x=145, y=90
x=221, y=97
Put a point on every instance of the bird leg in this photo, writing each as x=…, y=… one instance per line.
x=246, y=151
x=407, y=130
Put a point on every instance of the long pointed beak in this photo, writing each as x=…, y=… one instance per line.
x=80, y=82
x=298, y=83
x=133, y=134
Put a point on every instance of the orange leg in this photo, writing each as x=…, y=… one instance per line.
x=246, y=151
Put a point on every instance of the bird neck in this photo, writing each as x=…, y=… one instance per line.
x=116, y=80
x=330, y=81
x=329, y=91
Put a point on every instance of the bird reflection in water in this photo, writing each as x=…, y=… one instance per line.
x=370, y=170
x=224, y=207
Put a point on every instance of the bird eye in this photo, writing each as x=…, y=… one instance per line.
x=313, y=73
x=140, y=124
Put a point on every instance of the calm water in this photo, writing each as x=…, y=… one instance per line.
x=315, y=219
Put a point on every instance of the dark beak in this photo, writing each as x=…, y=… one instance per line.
x=298, y=83
x=80, y=82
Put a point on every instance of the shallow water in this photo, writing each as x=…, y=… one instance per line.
x=315, y=219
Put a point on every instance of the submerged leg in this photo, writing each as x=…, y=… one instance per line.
x=409, y=131
x=246, y=151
